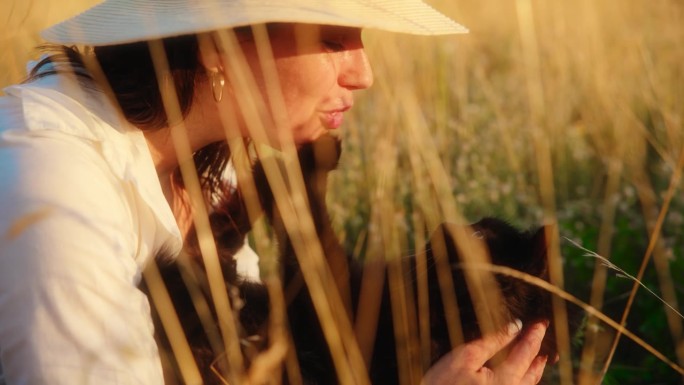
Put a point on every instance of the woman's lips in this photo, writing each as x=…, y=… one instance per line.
x=334, y=119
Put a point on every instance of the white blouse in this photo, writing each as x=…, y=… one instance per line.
x=81, y=213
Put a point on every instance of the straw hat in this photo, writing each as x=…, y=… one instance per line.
x=124, y=21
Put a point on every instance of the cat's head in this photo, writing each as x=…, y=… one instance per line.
x=230, y=221
x=524, y=251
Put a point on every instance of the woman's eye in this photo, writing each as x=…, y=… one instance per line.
x=333, y=45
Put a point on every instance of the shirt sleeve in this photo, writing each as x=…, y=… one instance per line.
x=70, y=309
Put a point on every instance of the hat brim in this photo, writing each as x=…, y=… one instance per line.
x=125, y=21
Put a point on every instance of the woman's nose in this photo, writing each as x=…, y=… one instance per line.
x=356, y=72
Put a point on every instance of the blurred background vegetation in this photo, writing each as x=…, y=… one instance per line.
x=566, y=112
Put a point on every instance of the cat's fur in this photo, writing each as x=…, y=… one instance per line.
x=524, y=251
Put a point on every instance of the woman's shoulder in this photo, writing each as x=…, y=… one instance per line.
x=66, y=145
x=60, y=104
x=56, y=145
x=59, y=172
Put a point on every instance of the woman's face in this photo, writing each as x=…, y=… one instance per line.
x=318, y=68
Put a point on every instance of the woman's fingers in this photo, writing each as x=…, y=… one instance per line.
x=475, y=354
x=522, y=361
x=535, y=372
x=466, y=364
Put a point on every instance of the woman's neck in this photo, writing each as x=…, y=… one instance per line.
x=169, y=145
x=163, y=152
x=167, y=157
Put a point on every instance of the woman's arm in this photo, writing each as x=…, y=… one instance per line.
x=70, y=311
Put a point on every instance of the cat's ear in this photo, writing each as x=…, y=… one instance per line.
x=540, y=248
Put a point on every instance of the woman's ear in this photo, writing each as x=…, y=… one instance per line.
x=210, y=55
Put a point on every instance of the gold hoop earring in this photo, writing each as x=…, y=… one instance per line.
x=218, y=81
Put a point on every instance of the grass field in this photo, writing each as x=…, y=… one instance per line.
x=564, y=112
x=568, y=113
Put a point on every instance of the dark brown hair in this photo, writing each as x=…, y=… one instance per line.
x=129, y=70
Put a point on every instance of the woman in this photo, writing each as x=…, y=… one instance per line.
x=91, y=189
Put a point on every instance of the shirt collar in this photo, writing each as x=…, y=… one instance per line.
x=69, y=105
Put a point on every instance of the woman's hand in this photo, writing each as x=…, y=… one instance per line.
x=465, y=365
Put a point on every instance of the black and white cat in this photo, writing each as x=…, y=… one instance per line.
x=521, y=250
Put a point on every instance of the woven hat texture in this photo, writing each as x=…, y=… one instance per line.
x=124, y=21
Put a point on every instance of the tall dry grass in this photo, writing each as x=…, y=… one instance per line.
x=20, y=22
x=566, y=112
x=569, y=112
